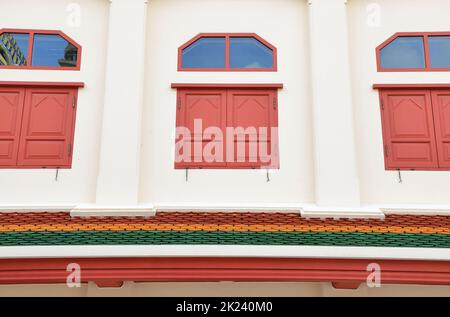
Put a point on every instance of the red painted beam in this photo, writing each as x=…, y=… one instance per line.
x=253, y=86
x=343, y=273
x=346, y=285
x=41, y=84
x=410, y=86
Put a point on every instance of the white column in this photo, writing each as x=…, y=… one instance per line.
x=118, y=179
x=336, y=179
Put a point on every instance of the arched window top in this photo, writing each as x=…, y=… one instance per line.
x=415, y=52
x=38, y=49
x=227, y=52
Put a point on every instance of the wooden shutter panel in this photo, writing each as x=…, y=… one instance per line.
x=409, y=137
x=209, y=105
x=47, y=128
x=11, y=108
x=256, y=108
x=441, y=112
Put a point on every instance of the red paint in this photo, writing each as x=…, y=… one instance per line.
x=425, y=36
x=252, y=108
x=37, y=124
x=408, y=128
x=346, y=285
x=253, y=86
x=41, y=84
x=227, y=108
x=416, y=128
x=11, y=107
x=108, y=283
x=227, y=68
x=209, y=106
x=30, y=49
x=412, y=86
x=46, y=136
x=345, y=273
x=441, y=112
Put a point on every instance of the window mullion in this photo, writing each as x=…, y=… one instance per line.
x=427, y=52
x=30, y=49
x=227, y=52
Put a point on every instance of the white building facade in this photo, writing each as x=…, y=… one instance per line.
x=330, y=132
x=334, y=158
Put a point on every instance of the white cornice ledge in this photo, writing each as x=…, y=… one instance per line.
x=93, y=210
x=311, y=1
x=339, y=213
x=144, y=1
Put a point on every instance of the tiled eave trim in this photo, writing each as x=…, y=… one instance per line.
x=223, y=228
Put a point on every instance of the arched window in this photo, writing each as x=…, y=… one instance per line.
x=38, y=49
x=415, y=52
x=227, y=52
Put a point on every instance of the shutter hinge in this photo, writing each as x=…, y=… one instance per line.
x=69, y=149
x=386, y=150
x=73, y=102
x=179, y=103
x=382, y=104
x=275, y=103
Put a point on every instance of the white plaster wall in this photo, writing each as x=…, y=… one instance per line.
x=173, y=22
x=378, y=185
x=77, y=185
x=284, y=23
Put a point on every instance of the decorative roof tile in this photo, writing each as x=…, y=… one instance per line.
x=223, y=228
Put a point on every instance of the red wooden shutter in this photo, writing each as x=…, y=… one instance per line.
x=253, y=109
x=441, y=112
x=47, y=128
x=409, y=136
x=209, y=105
x=11, y=107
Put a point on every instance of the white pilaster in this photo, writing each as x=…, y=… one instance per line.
x=118, y=179
x=336, y=179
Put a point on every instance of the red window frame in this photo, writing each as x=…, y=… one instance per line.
x=227, y=67
x=182, y=88
x=425, y=36
x=432, y=90
x=31, y=33
x=73, y=88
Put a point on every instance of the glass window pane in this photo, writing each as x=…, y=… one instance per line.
x=248, y=52
x=13, y=49
x=53, y=50
x=439, y=51
x=404, y=52
x=206, y=52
